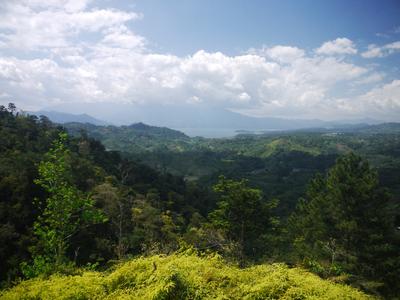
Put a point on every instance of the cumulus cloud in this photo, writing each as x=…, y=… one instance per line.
x=373, y=51
x=122, y=37
x=376, y=51
x=116, y=65
x=244, y=82
x=68, y=5
x=385, y=99
x=338, y=46
x=32, y=25
x=283, y=54
x=370, y=78
x=382, y=102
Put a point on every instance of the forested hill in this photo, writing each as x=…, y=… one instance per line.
x=117, y=184
x=71, y=211
x=140, y=136
x=382, y=128
x=61, y=117
x=280, y=163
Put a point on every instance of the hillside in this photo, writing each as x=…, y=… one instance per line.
x=257, y=200
x=185, y=276
x=62, y=117
x=199, y=119
x=138, y=136
x=281, y=163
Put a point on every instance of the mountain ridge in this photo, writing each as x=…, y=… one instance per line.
x=198, y=119
x=62, y=117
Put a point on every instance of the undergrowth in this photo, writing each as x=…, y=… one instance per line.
x=184, y=276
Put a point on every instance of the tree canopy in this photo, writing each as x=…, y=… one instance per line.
x=345, y=221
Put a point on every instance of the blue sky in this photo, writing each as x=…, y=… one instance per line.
x=235, y=26
x=291, y=59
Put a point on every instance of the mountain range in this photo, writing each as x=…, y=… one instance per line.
x=62, y=117
x=194, y=120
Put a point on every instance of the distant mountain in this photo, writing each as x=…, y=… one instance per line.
x=161, y=132
x=391, y=127
x=136, y=137
x=382, y=128
x=62, y=117
x=198, y=120
x=359, y=128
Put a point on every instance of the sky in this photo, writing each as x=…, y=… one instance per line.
x=290, y=59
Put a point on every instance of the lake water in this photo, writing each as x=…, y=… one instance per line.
x=216, y=132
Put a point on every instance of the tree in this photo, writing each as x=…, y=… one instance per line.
x=12, y=108
x=244, y=215
x=66, y=209
x=345, y=220
x=116, y=204
x=156, y=230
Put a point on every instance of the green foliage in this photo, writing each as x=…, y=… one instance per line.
x=185, y=276
x=41, y=265
x=90, y=169
x=345, y=224
x=279, y=163
x=342, y=229
x=23, y=141
x=66, y=209
x=156, y=230
x=243, y=215
x=140, y=136
x=116, y=204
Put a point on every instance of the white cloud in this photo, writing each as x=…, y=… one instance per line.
x=194, y=100
x=376, y=51
x=115, y=65
x=370, y=78
x=68, y=5
x=28, y=27
x=122, y=37
x=393, y=46
x=373, y=51
x=244, y=97
x=338, y=46
x=381, y=102
x=284, y=54
x=245, y=82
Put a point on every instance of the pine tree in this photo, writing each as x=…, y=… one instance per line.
x=345, y=220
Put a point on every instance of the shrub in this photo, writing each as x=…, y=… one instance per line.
x=185, y=276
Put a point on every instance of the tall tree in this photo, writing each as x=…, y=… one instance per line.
x=345, y=220
x=116, y=205
x=243, y=214
x=66, y=209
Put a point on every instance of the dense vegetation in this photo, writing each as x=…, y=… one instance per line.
x=279, y=163
x=185, y=276
x=68, y=205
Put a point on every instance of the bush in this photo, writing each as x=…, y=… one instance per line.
x=185, y=276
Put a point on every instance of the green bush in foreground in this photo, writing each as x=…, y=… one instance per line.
x=185, y=276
